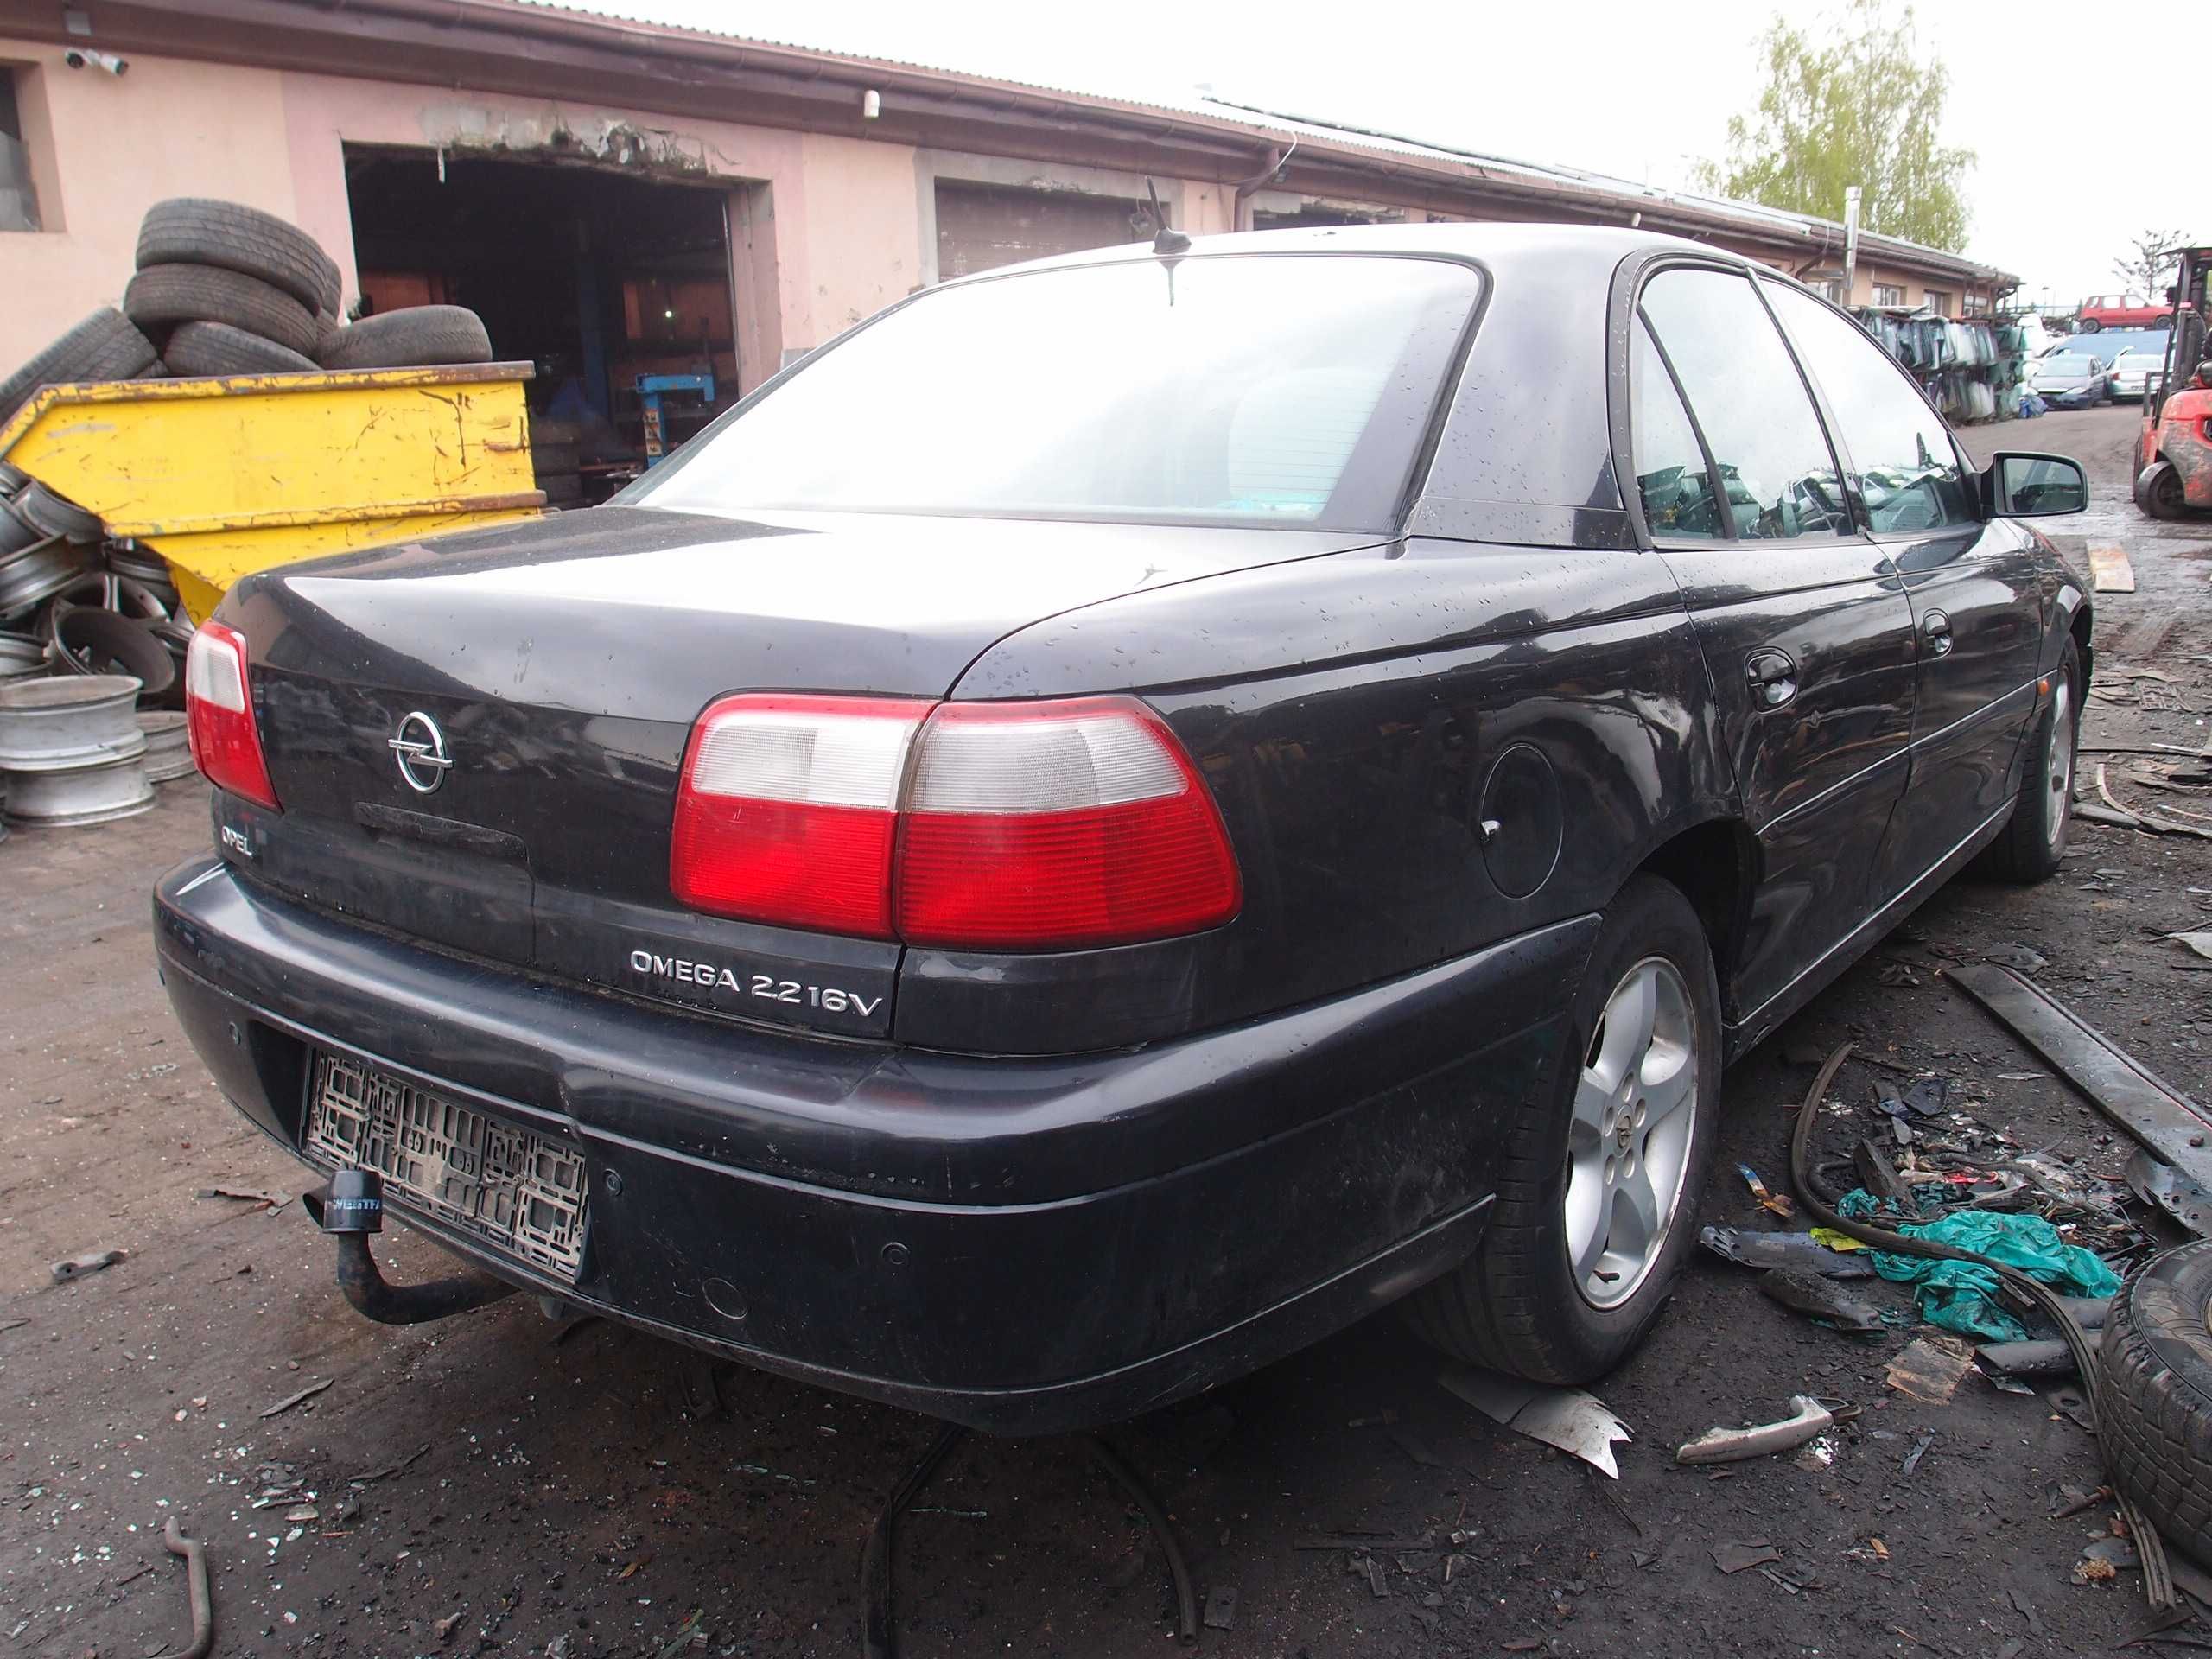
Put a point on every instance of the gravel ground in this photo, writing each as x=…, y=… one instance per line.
x=500, y=1482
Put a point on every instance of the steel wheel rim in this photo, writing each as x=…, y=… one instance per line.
x=2059, y=775
x=1629, y=1140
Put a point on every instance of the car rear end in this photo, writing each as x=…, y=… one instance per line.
x=639, y=894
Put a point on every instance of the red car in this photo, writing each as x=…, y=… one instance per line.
x=2119, y=311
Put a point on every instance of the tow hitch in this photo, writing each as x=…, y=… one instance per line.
x=350, y=1208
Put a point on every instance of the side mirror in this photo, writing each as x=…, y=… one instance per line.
x=2036, y=487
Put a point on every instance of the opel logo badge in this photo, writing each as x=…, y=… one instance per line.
x=420, y=748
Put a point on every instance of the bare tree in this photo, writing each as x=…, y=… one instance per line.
x=2146, y=269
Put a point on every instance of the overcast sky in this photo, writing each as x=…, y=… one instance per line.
x=1623, y=86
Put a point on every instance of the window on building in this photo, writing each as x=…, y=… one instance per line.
x=1939, y=301
x=1886, y=295
x=18, y=196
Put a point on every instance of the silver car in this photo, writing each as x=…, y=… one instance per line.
x=2132, y=373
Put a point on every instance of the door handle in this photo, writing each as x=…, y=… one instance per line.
x=1773, y=678
x=1937, y=626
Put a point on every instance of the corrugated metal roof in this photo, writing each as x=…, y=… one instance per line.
x=1817, y=233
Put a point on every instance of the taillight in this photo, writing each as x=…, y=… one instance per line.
x=788, y=811
x=1015, y=827
x=1035, y=825
x=218, y=714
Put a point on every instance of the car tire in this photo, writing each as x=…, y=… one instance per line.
x=2156, y=1403
x=1576, y=1156
x=160, y=296
x=2033, y=840
x=418, y=336
x=195, y=230
x=200, y=348
x=2159, y=492
x=2091, y=325
x=105, y=346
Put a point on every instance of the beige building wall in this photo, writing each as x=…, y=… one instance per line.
x=104, y=148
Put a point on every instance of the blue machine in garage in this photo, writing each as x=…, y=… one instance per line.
x=651, y=388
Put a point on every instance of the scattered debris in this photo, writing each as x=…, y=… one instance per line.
x=391, y=1469
x=1928, y=1368
x=1569, y=1419
x=1810, y=1252
x=291, y=1399
x=1810, y=1293
x=1774, y=1203
x=1221, y=1608
x=1745, y=1553
x=1962, y=1296
x=2019, y=956
x=2199, y=945
x=1412, y=1446
x=1836, y=1239
x=2038, y=1357
x=1879, y=1177
x=270, y=1201
x=1919, y=1451
x=12, y=1325
x=76, y=1267
x=446, y=1626
x=1809, y=1417
x=2165, y=1188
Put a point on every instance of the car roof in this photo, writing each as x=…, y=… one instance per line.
x=1602, y=247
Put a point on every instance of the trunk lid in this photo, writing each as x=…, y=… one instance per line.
x=556, y=667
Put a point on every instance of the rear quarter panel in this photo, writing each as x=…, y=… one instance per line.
x=1348, y=713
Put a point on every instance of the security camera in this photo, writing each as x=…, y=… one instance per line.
x=78, y=58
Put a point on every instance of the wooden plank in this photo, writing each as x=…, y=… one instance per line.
x=2109, y=568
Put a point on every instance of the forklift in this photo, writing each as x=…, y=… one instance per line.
x=2173, y=455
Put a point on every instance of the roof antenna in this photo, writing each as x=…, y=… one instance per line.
x=1166, y=241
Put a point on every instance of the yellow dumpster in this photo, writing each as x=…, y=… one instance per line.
x=228, y=475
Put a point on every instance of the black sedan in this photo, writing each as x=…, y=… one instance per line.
x=1131, y=811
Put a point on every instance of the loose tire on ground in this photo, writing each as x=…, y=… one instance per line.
x=160, y=296
x=105, y=346
x=2156, y=1359
x=195, y=230
x=217, y=348
x=418, y=336
x=2034, y=839
x=1518, y=1304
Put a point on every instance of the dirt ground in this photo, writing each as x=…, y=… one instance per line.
x=496, y=1483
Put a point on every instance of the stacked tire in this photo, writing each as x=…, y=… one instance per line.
x=222, y=288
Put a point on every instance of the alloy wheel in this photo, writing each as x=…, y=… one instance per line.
x=2058, y=775
x=1628, y=1142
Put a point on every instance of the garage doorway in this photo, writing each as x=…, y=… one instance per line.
x=598, y=278
x=982, y=227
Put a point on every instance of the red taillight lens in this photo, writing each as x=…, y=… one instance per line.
x=218, y=714
x=788, y=811
x=1035, y=826
x=1017, y=827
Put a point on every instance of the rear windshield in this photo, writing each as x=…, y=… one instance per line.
x=1282, y=389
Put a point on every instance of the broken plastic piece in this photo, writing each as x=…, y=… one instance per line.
x=1809, y=1252
x=1569, y=1419
x=1810, y=1293
x=2168, y=1189
x=76, y=1267
x=1808, y=1419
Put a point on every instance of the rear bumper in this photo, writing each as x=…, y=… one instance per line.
x=1023, y=1245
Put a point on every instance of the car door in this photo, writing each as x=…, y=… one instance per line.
x=1803, y=624
x=1975, y=587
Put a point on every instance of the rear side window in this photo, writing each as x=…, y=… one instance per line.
x=1749, y=402
x=1279, y=390
x=1670, y=468
x=1908, y=469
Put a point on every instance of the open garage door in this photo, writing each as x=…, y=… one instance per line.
x=616, y=287
x=982, y=226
